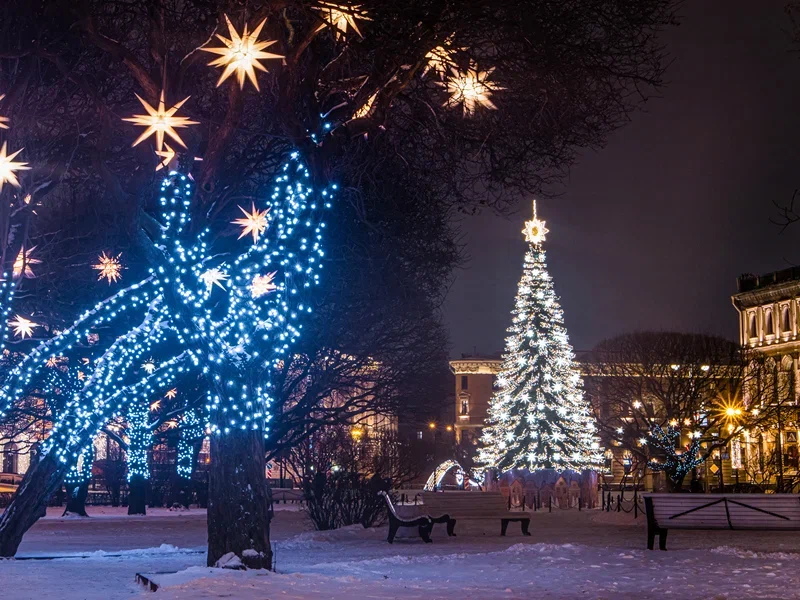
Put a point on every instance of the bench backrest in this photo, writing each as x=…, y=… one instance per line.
x=725, y=511
x=465, y=504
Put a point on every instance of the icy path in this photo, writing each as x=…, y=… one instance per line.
x=570, y=555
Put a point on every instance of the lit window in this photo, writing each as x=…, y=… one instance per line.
x=419, y=435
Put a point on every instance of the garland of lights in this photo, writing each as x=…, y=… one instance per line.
x=538, y=417
x=676, y=465
x=193, y=429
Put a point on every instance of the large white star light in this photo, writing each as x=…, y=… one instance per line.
x=470, y=89
x=534, y=230
x=341, y=17
x=8, y=166
x=241, y=54
x=160, y=121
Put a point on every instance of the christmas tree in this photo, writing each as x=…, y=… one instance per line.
x=538, y=418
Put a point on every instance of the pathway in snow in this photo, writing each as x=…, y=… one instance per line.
x=569, y=555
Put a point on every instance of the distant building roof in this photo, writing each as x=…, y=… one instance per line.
x=749, y=282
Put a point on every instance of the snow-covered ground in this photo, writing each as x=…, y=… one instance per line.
x=570, y=555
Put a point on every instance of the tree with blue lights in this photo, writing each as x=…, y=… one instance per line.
x=426, y=84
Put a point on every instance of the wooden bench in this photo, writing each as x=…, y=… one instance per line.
x=424, y=523
x=758, y=512
x=475, y=506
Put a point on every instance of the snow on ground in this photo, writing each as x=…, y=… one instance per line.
x=570, y=555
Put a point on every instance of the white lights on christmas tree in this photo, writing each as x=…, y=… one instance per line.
x=160, y=121
x=538, y=417
x=241, y=54
x=9, y=166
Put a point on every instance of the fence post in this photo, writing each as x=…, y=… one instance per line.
x=509, y=499
x=524, y=503
x=618, y=504
x=551, y=503
x=580, y=497
x=635, y=508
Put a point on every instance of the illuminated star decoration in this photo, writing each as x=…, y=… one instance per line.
x=22, y=327
x=365, y=110
x=213, y=277
x=167, y=156
x=51, y=362
x=241, y=54
x=471, y=89
x=440, y=60
x=8, y=166
x=3, y=120
x=23, y=262
x=160, y=121
x=262, y=284
x=109, y=267
x=155, y=405
x=171, y=393
x=254, y=222
x=534, y=229
x=340, y=17
x=149, y=366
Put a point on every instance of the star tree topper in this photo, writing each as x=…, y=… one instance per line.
x=160, y=121
x=535, y=230
x=241, y=54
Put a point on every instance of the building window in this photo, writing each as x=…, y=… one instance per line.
x=10, y=458
x=770, y=327
x=786, y=326
x=419, y=435
x=464, y=382
x=464, y=406
x=753, y=331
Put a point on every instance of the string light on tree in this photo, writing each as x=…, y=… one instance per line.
x=538, y=417
x=470, y=89
x=22, y=327
x=241, y=54
x=9, y=167
x=341, y=17
x=160, y=122
x=109, y=268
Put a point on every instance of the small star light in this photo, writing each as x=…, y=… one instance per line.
x=23, y=262
x=3, y=120
x=534, y=229
x=149, y=366
x=160, y=121
x=213, y=277
x=254, y=222
x=470, y=89
x=241, y=54
x=155, y=405
x=340, y=17
x=109, y=267
x=8, y=166
x=22, y=327
x=262, y=284
x=171, y=393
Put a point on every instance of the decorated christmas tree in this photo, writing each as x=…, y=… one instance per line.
x=538, y=418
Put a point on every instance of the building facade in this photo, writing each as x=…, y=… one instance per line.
x=475, y=377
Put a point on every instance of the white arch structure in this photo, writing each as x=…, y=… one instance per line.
x=438, y=474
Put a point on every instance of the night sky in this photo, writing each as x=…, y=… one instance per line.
x=652, y=231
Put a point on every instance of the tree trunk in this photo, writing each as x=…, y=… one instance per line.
x=30, y=502
x=672, y=485
x=137, y=495
x=238, y=499
x=76, y=498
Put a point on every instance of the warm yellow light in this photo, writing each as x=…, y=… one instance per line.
x=23, y=262
x=471, y=89
x=167, y=156
x=8, y=166
x=340, y=17
x=534, y=230
x=241, y=54
x=22, y=327
x=431, y=425
x=253, y=223
x=160, y=121
x=440, y=60
x=449, y=428
x=262, y=284
x=171, y=393
x=109, y=268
